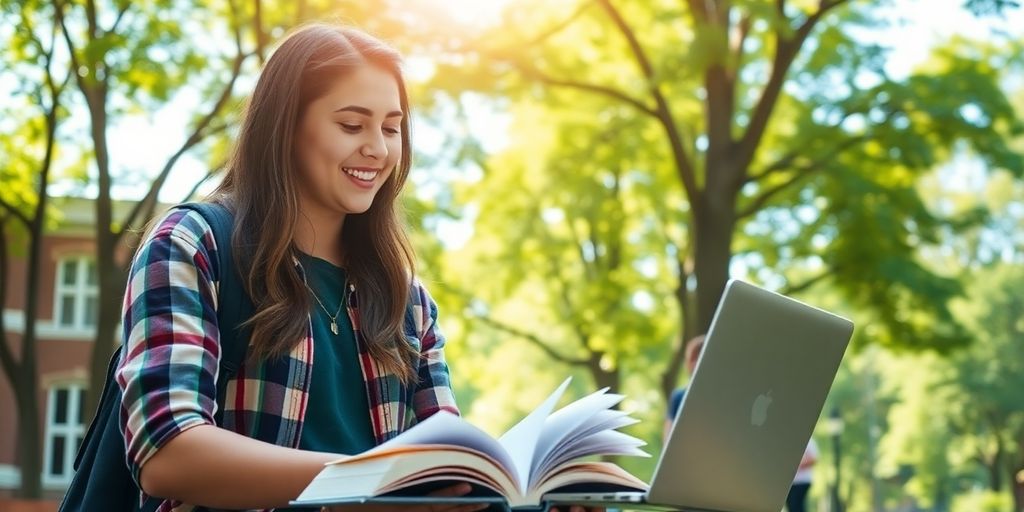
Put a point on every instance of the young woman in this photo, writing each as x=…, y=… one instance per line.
x=333, y=366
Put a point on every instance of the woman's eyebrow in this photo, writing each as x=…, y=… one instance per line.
x=367, y=112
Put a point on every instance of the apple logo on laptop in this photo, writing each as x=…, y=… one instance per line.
x=759, y=411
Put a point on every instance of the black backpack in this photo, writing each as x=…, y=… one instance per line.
x=102, y=481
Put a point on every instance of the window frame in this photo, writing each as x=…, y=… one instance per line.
x=72, y=430
x=81, y=291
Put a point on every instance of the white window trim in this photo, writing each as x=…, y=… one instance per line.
x=80, y=290
x=71, y=431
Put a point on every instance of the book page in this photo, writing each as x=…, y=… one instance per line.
x=563, y=424
x=447, y=428
x=600, y=423
x=608, y=442
x=521, y=440
x=597, y=475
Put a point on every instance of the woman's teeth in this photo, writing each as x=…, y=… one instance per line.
x=363, y=175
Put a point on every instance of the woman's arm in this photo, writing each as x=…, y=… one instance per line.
x=433, y=391
x=210, y=466
x=168, y=378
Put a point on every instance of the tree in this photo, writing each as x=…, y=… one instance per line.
x=774, y=140
x=29, y=153
x=960, y=417
x=988, y=408
x=137, y=55
x=123, y=58
x=128, y=53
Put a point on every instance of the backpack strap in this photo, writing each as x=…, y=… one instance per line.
x=234, y=306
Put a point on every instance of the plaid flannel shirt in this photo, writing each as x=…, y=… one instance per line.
x=168, y=372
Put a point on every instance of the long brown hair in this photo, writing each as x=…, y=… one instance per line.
x=260, y=188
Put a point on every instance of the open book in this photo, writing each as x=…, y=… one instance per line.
x=541, y=453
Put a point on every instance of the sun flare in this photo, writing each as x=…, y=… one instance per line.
x=471, y=11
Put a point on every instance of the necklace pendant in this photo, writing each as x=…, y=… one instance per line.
x=334, y=327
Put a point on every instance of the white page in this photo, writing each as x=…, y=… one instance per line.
x=604, y=420
x=521, y=440
x=609, y=442
x=447, y=428
x=564, y=423
x=603, y=441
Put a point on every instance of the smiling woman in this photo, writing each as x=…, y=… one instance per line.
x=347, y=143
x=322, y=155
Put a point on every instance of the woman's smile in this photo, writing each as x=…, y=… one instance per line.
x=362, y=176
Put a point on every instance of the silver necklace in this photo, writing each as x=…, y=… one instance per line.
x=334, y=317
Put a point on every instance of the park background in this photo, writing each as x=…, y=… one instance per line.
x=587, y=175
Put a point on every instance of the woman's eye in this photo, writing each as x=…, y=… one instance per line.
x=350, y=127
x=391, y=131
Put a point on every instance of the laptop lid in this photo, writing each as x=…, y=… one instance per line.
x=758, y=389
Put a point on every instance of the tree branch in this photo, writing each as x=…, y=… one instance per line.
x=560, y=26
x=783, y=163
x=257, y=24
x=90, y=16
x=793, y=289
x=675, y=363
x=197, y=135
x=786, y=51
x=663, y=112
x=583, y=86
x=58, y=7
x=533, y=339
x=824, y=6
x=741, y=39
x=211, y=173
x=120, y=16
x=758, y=202
x=16, y=213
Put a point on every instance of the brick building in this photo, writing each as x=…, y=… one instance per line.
x=65, y=328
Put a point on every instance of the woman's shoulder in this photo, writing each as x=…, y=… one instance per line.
x=186, y=224
x=179, y=234
x=419, y=296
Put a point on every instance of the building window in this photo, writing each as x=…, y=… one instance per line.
x=65, y=429
x=77, y=293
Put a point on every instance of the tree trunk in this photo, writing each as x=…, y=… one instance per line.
x=109, y=304
x=1017, y=479
x=30, y=453
x=995, y=474
x=110, y=296
x=715, y=219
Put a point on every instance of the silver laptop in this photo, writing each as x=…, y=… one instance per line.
x=761, y=381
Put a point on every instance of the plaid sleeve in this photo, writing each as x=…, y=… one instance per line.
x=434, y=390
x=168, y=369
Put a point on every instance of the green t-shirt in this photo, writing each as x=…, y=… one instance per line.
x=338, y=413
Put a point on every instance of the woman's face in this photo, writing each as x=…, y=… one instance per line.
x=348, y=142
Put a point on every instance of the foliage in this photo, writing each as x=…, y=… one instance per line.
x=959, y=418
x=982, y=501
x=583, y=233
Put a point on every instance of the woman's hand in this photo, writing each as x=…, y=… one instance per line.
x=455, y=490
